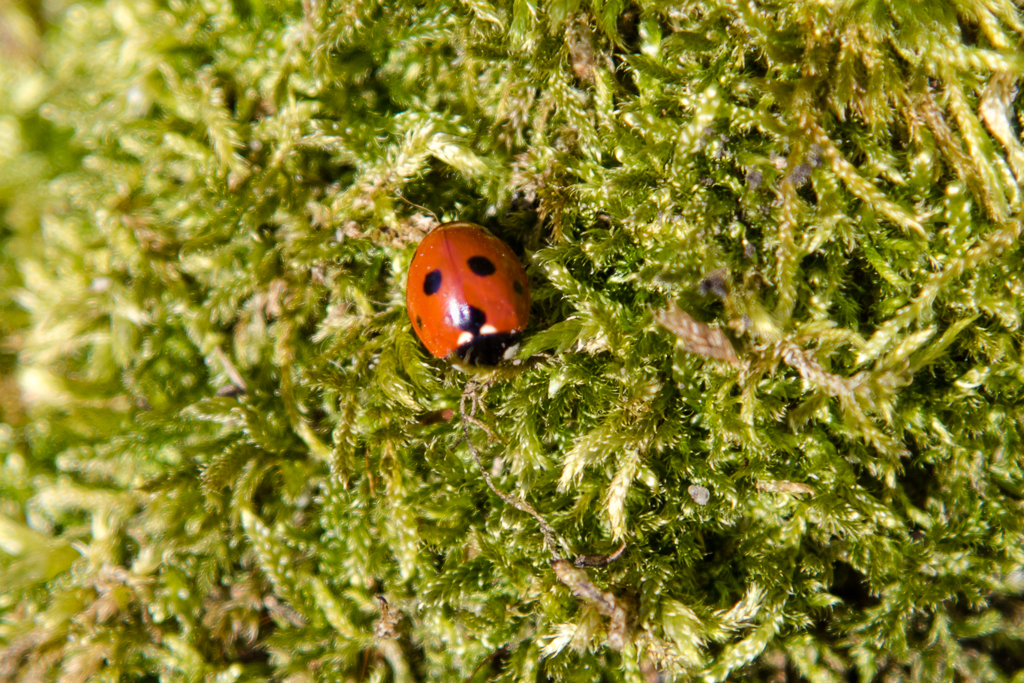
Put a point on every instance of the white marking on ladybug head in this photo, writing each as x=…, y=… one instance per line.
x=465, y=338
x=488, y=329
x=510, y=352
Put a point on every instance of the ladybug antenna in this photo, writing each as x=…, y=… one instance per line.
x=436, y=219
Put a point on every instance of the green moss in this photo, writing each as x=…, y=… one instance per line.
x=221, y=441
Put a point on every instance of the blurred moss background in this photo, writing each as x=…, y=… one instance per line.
x=775, y=344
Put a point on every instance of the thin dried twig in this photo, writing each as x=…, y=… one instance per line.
x=385, y=626
x=599, y=560
x=574, y=578
x=805, y=363
x=517, y=503
x=579, y=583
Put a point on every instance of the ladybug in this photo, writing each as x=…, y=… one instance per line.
x=467, y=294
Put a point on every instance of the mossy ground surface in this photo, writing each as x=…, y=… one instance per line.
x=774, y=348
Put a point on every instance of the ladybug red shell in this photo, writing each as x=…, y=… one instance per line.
x=467, y=294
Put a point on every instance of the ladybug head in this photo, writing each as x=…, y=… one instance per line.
x=489, y=349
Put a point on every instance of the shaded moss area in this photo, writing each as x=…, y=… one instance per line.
x=774, y=348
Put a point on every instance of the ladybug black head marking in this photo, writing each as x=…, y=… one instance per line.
x=488, y=349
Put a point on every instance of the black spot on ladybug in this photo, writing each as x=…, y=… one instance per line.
x=481, y=265
x=516, y=285
x=432, y=282
x=471, y=319
x=419, y=322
